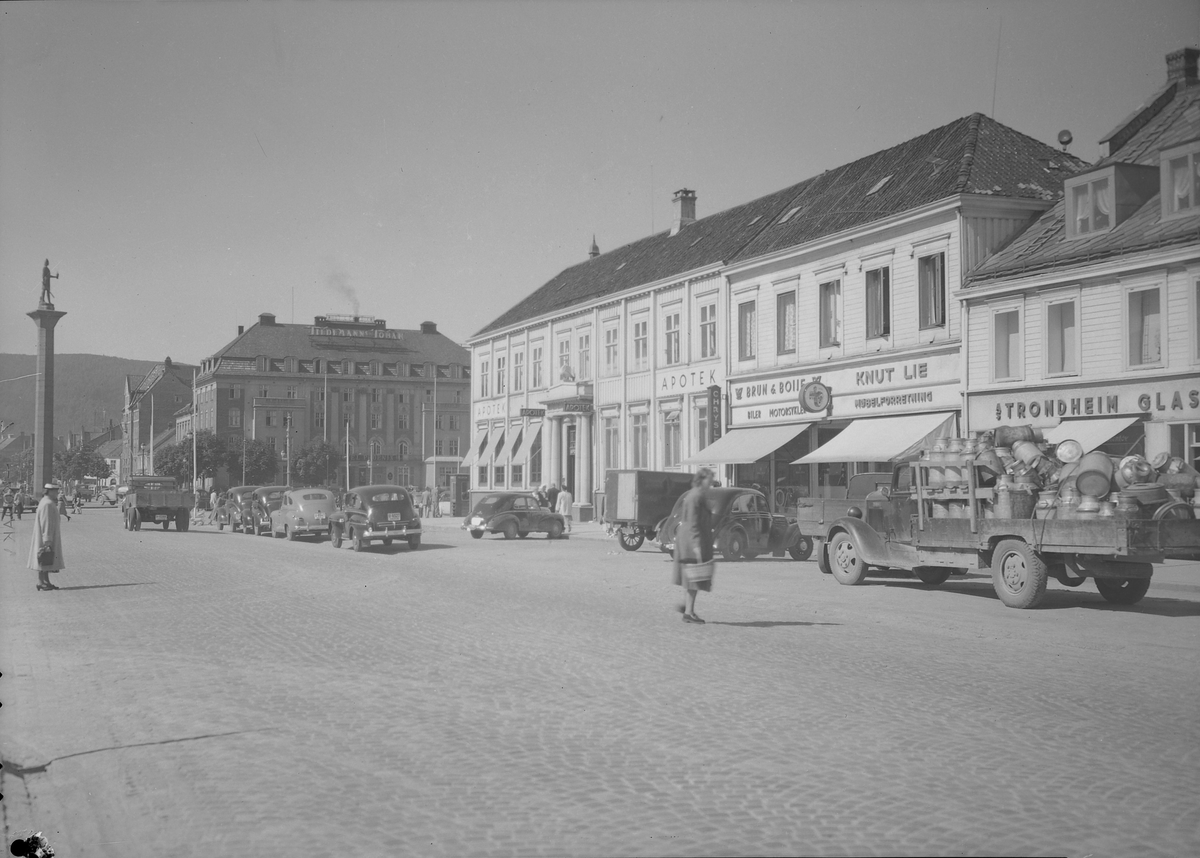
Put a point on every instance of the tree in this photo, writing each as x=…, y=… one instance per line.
x=261, y=463
x=175, y=461
x=316, y=464
x=80, y=462
x=212, y=454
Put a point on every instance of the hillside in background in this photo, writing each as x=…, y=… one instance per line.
x=89, y=390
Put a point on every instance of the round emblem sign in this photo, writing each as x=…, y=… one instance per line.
x=814, y=396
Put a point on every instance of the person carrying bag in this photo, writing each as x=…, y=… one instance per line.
x=694, y=566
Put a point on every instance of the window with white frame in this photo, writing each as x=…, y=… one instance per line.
x=402, y=417
x=585, y=356
x=501, y=374
x=1062, y=336
x=612, y=442
x=535, y=368
x=641, y=344
x=879, y=302
x=702, y=426
x=1089, y=207
x=454, y=446
x=1180, y=173
x=439, y=447
x=518, y=372
x=708, y=329
x=455, y=423
x=672, y=440
x=1143, y=320
x=931, y=282
x=484, y=379
x=376, y=395
x=1006, y=345
x=785, y=323
x=439, y=421
x=671, y=337
x=376, y=421
x=564, y=352
x=639, y=440
x=747, y=330
x=830, y=309
x=272, y=418
x=235, y=419
x=612, y=351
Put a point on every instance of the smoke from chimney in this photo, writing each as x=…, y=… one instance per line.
x=339, y=281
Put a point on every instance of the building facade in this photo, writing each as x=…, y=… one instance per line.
x=397, y=400
x=1088, y=325
x=148, y=420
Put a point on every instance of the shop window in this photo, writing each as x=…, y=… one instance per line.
x=1062, y=338
x=1185, y=442
x=671, y=440
x=708, y=330
x=702, y=425
x=830, y=298
x=612, y=443
x=585, y=357
x=1006, y=345
x=612, y=351
x=535, y=368
x=879, y=302
x=501, y=375
x=484, y=380
x=639, y=436
x=931, y=276
x=747, y=330
x=785, y=323
x=671, y=338
x=1144, y=324
x=641, y=344
x=1181, y=181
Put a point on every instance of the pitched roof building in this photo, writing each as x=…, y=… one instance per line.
x=151, y=401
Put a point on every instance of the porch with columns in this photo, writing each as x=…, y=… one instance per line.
x=564, y=418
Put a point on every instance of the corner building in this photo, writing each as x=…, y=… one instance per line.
x=400, y=396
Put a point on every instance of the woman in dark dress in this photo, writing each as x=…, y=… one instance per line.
x=693, y=542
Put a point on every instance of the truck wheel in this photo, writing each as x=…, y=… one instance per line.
x=1018, y=574
x=932, y=575
x=555, y=530
x=182, y=522
x=803, y=548
x=733, y=546
x=845, y=564
x=630, y=540
x=1123, y=591
x=510, y=530
x=335, y=536
x=135, y=520
x=360, y=540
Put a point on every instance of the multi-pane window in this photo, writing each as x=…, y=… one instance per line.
x=262, y=391
x=235, y=393
x=376, y=395
x=320, y=420
x=612, y=351
x=708, y=330
x=484, y=380
x=639, y=439
x=1062, y=338
x=1181, y=180
x=402, y=447
x=458, y=395
x=347, y=397
x=1090, y=206
x=671, y=338
x=564, y=353
x=453, y=447
x=518, y=472
x=483, y=475
x=702, y=430
x=455, y=423
x=785, y=323
x=830, y=309
x=518, y=372
x=501, y=374
x=1144, y=318
x=672, y=452
x=439, y=447
x=272, y=418
x=429, y=394
x=535, y=368
x=612, y=443
x=402, y=417
x=585, y=357
x=879, y=302
x=376, y=421
x=931, y=281
x=747, y=330
x=499, y=476
x=439, y=421
x=1006, y=345
x=641, y=344
x=235, y=418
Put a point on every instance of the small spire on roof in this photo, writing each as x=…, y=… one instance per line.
x=595, y=249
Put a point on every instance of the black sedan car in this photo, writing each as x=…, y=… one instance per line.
x=232, y=507
x=513, y=514
x=256, y=514
x=375, y=513
x=743, y=526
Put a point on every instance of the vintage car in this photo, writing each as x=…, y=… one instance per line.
x=743, y=526
x=256, y=513
x=304, y=512
x=370, y=513
x=229, y=507
x=513, y=514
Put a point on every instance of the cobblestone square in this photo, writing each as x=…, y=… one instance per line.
x=210, y=693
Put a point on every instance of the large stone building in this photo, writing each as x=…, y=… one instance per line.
x=148, y=421
x=1088, y=325
x=400, y=398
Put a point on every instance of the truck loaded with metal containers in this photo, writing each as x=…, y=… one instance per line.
x=1027, y=512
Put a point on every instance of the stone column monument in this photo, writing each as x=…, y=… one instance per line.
x=45, y=317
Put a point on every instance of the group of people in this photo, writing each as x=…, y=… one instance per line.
x=14, y=502
x=429, y=500
x=556, y=500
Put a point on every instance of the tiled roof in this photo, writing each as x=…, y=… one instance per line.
x=181, y=372
x=288, y=340
x=1044, y=245
x=973, y=155
x=110, y=449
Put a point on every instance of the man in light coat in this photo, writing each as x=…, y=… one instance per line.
x=564, y=503
x=46, y=532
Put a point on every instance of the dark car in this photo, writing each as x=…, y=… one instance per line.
x=513, y=514
x=230, y=508
x=370, y=513
x=256, y=512
x=743, y=526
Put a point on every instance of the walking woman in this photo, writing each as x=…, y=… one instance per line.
x=45, y=549
x=693, y=544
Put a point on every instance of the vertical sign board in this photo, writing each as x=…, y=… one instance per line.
x=715, y=421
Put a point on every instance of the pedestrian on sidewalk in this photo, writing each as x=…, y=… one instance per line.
x=540, y=496
x=425, y=502
x=45, y=548
x=552, y=497
x=565, y=502
x=9, y=498
x=212, y=505
x=62, y=506
x=693, y=544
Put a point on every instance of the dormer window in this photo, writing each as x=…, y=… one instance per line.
x=1180, y=171
x=1102, y=199
x=1091, y=206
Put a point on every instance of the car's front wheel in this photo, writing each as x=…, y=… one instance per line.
x=555, y=531
x=335, y=535
x=360, y=540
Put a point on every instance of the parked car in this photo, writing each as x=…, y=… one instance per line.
x=370, y=513
x=515, y=514
x=230, y=508
x=304, y=512
x=108, y=496
x=256, y=513
x=743, y=526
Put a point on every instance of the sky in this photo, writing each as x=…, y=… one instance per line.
x=187, y=166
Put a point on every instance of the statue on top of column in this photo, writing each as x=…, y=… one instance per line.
x=47, y=298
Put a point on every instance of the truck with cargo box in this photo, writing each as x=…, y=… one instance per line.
x=156, y=500
x=636, y=501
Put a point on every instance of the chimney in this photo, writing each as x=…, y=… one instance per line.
x=595, y=250
x=685, y=209
x=241, y=330
x=1181, y=66
x=266, y=319
x=428, y=328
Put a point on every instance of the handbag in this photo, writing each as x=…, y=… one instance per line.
x=700, y=575
x=45, y=555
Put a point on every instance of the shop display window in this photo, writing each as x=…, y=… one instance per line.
x=1185, y=442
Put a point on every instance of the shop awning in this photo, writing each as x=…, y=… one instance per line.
x=1089, y=433
x=528, y=439
x=476, y=446
x=743, y=446
x=515, y=440
x=494, y=445
x=883, y=439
